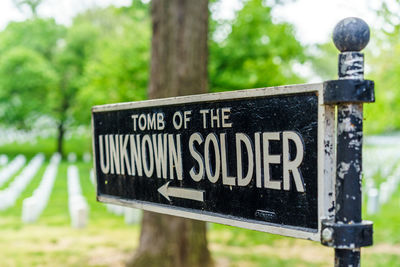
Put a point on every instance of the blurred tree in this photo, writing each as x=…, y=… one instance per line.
x=118, y=70
x=104, y=56
x=26, y=78
x=27, y=73
x=69, y=62
x=31, y=4
x=253, y=50
x=104, y=49
x=178, y=67
x=104, y=59
x=383, y=115
x=384, y=69
x=41, y=35
x=46, y=38
x=324, y=60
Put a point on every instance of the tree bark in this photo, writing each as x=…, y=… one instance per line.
x=60, y=138
x=62, y=110
x=178, y=67
x=179, y=48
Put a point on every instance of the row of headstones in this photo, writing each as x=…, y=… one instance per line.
x=380, y=161
x=9, y=170
x=72, y=157
x=10, y=135
x=77, y=205
x=19, y=161
x=131, y=215
x=377, y=197
x=79, y=209
x=384, y=162
x=9, y=195
x=33, y=206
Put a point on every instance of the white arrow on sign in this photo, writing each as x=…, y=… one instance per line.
x=169, y=191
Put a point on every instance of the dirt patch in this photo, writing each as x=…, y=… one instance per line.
x=222, y=262
x=284, y=250
x=300, y=249
x=107, y=257
x=383, y=249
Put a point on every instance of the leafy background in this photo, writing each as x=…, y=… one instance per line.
x=51, y=75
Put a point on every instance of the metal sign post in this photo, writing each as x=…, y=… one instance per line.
x=263, y=159
x=348, y=233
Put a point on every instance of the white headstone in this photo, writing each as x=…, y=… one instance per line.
x=12, y=168
x=384, y=193
x=78, y=207
x=33, y=206
x=71, y=157
x=3, y=160
x=132, y=216
x=12, y=192
x=86, y=157
x=373, y=201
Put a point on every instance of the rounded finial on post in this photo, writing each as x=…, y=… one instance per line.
x=351, y=34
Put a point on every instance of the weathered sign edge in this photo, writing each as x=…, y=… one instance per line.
x=230, y=95
x=209, y=217
x=326, y=157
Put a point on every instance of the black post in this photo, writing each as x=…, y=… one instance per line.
x=347, y=233
x=350, y=36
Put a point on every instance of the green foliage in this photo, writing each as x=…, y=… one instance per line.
x=119, y=70
x=104, y=56
x=40, y=35
x=383, y=115
x=27, y=72
x=61, y=72
x=26, y=78
x=256, y=53
x=70, y=62
x=324, y=60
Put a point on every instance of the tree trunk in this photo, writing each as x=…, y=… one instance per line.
x=60, y=137
x=179, y=48
x=178, y=67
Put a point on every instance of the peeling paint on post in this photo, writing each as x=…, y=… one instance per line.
x=350, y=36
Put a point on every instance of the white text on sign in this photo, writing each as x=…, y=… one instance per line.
x=160, y=154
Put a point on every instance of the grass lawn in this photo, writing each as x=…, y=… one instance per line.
x=108, y=241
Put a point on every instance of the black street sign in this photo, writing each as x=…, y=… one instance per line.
x=246, y=158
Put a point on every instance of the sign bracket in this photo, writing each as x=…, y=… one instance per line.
x=346, y=236
x=348, y=91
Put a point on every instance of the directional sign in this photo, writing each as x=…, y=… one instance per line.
x=247, y=158
x=179, y=192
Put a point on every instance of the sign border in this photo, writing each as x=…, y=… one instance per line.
x=325, y=160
